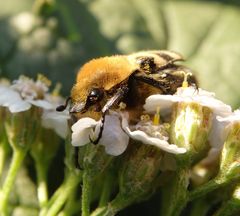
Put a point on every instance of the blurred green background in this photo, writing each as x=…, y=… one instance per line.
x=56, y=37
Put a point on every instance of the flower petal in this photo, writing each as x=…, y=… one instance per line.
x=187, y=95
x=114, y=138
x=19, y=106
x=163, y=101
x=42, y=104
x=11, y=99
x=57, y=121
x=81, y=131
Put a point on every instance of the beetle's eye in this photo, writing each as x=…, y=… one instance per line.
x=95, y=95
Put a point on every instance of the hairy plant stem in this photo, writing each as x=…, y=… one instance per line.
x=17, y=159
x=42, y=190
x=200, y=207
x=177, y=194
x=2, y=158
x=86, y=193
x=118, y=204
x=106, y=191
x=62, y=194
x=231, y=207
x=205, y=188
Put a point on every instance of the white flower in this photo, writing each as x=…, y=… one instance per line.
x=56, y=121
x=116, y=134
x=151, y=135
x=30, y=90
x=192, y=95
x=187, y=95
x=221, y=127
x=23, y=94
x=113, y=137
x=147, y=133
x=220, y=130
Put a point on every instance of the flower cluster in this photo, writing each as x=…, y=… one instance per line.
x=184, y=145
x=146, y=131
x=26, y=93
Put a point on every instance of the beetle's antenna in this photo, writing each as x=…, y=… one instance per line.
x=61, y=108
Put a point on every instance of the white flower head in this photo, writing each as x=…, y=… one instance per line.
x=150, y=134
x=147, y=132
x=29, y=89
x=116, y=134
x=187, y=95
x=114, y=139
x=191, y=95
x=23, y=94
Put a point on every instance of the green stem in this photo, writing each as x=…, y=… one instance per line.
x=56, y=194
x=106, y=191
x=118, y=204
x=69, y=186
x=17, y=159
x=232, y=207
x=86, y=193
x=2, y=158
x=200, y=207
x=42, y=189
x=206, y=188
x=72, y=206
x=175, y=197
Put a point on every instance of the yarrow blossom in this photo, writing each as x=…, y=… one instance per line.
x=117, y=131
x=150, y=134
x=187, y=95
x=25, y=93
x=191, y=96
x=145, y=131
x=113, y=137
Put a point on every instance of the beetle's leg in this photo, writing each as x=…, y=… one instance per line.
x=167, y=80
x=121, y=92
x=76, y=162
x=151, y=81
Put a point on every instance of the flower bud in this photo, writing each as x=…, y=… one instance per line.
x=46, y=146
x=93, y=158
x=190, y=127
x=23, y=128
x=230, y=158
x=139, y=172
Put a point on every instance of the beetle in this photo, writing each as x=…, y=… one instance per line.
x=104, y=82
